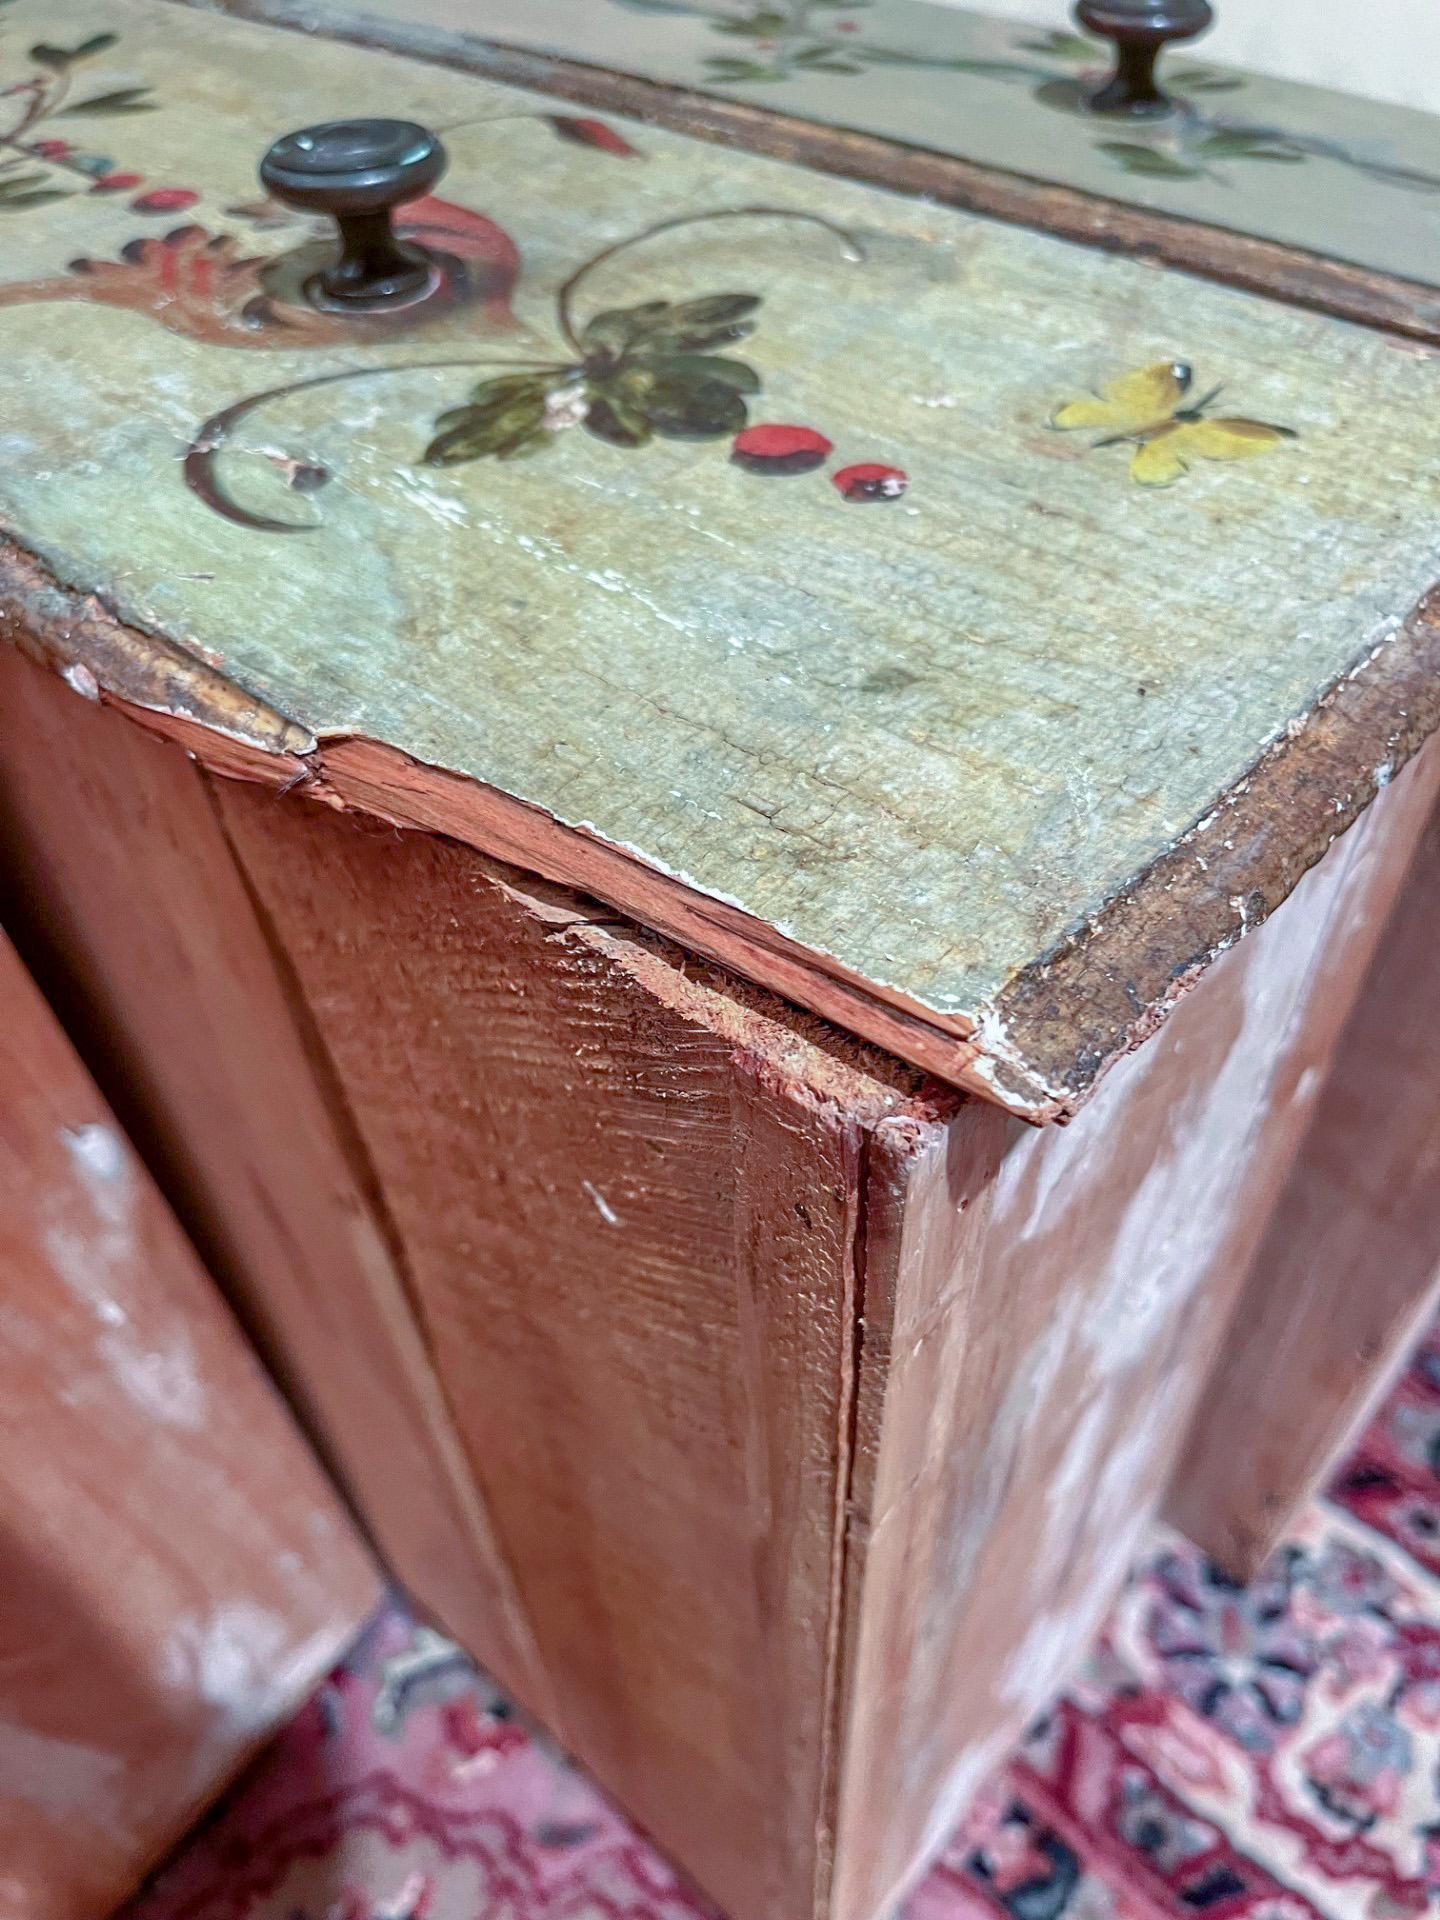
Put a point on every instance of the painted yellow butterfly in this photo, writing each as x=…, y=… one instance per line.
x=1145, y=409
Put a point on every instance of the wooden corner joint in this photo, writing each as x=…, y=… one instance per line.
x=1037, y=1049
x=1111, y=983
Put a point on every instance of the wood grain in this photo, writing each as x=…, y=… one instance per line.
x=629, y=1209
x=1000, y=686
x=1219, y=248
x=1042, y=1312
x=812, y=1411
x=1073, y=1013
x=156, y=1623
x=1346, y=1275
x=129, y=905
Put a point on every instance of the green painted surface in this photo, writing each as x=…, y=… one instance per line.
x=1331, y=172
x=924, y=735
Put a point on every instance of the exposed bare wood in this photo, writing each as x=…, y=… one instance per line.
x=1059, y=1024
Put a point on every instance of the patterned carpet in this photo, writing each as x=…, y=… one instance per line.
x=1267, y=1753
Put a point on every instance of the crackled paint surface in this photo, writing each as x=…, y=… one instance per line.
x=1331, y=172
x=924, y=734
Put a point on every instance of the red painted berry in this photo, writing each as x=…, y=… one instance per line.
x=592, y=133
x=165, y=200
x=780, y=449
x=52, y=149
x=115, y=182
x=871, y=482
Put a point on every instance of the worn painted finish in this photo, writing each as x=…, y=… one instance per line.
x=1330, y=172
x=923, y=740
x=126, y=898
x=1347, y=1274
x=1043, y=1330
x=178, y=1574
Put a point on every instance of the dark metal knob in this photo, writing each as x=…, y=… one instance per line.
x=359, y=171
x=1139, y=28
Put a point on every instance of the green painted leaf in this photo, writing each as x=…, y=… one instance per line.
x=12, y=183
x=1245, y=146
x=122, y=100
x=703, y=366
x=618, y=328
x=763, y=24
x=694, y=409
x=721, y=68
x=1222, y=146
x=1062, y=46
x=499, y=426
x=692, y=326
x=1150, y=161
x=503, y=388
x=14, y=201
x=833, y=66
x=45, y=54
x=612, y=418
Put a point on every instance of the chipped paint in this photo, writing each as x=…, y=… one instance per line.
x=63, y=1780
x=155, y=1366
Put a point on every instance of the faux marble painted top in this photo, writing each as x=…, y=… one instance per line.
x=921, y=698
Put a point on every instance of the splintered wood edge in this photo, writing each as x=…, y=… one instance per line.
x=1281, y=272
x=1037, y=1049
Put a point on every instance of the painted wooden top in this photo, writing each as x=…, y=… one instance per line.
x=908, y=712
x=1330, y=172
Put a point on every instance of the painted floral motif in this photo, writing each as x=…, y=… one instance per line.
x=1145, y=410
x=788, y=40
x=642, y=371
x=626, y=375
x=36, y=167
x=217, y=288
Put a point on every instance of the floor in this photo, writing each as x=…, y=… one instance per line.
x=1267, y=1753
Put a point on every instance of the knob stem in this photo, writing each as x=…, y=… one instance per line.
x=374, y=268
x=358, y=172
x=1140, y=29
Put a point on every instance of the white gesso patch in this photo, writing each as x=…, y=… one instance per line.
x=242, y=1660
x=153, y=1364
x=64, y=1780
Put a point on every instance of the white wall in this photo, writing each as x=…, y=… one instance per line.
x=1388, y=48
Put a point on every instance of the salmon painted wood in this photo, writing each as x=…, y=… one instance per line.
x=179, y=1574
x=961, y=631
